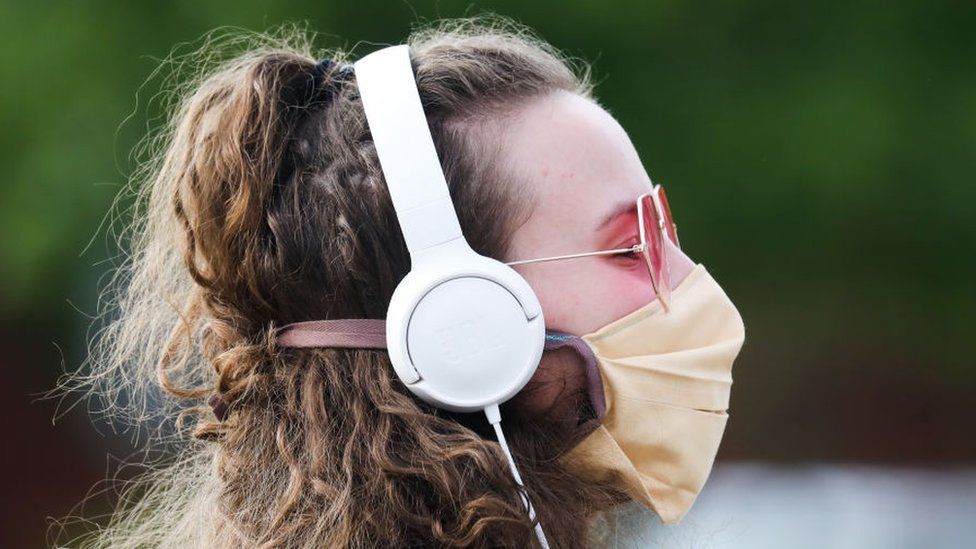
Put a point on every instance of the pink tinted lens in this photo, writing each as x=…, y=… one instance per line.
x=657, y=259
x=669, y=224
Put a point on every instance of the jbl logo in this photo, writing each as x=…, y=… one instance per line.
x=463, y=341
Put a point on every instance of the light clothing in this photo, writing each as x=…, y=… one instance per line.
x=634, y=526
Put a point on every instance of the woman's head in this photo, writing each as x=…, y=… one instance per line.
x=265, y=205
x=585, y=176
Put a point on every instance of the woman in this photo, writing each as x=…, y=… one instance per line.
x=265, y=206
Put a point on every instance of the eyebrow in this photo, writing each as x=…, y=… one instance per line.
x=621, y=208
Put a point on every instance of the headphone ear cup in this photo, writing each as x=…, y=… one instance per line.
x=471, y=343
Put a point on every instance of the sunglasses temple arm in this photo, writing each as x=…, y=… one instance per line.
x=634, y=248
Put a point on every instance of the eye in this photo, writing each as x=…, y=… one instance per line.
x=631, y=255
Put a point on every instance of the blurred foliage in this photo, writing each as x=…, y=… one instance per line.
x=818, y=155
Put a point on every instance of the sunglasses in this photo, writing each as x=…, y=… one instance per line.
x=654, y=225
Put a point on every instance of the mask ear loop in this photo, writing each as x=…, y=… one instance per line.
x=370, y=333
x=358, y=333
x=556, y=339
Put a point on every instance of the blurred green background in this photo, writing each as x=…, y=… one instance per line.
x=819, y=157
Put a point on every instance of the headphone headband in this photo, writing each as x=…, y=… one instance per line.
x=406, y=150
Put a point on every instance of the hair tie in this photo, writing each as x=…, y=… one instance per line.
x=218, y=405
x=322, y=70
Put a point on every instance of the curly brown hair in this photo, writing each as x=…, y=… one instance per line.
x=262, y=205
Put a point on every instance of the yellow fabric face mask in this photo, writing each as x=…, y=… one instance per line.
x=665, y=381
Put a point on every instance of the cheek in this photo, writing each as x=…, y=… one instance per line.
x=580, y=296
x=627, y=288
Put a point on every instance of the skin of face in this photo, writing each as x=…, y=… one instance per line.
x=580, y=165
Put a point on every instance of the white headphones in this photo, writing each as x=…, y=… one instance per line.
x=464, y=332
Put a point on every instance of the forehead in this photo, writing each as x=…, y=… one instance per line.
x=577, y=158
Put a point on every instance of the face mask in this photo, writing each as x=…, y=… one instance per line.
x=665, y=381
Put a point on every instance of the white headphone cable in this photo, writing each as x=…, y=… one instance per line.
x=495, y=418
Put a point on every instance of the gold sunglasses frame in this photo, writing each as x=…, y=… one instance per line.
x=641, y=248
